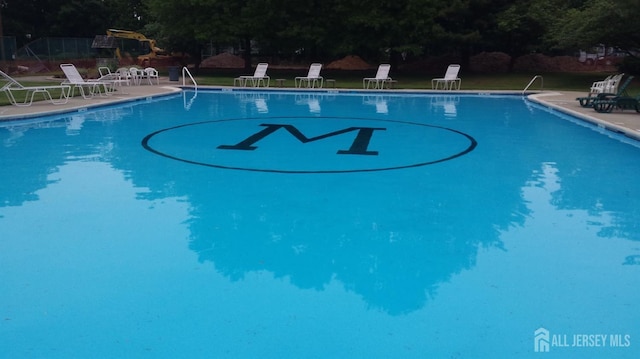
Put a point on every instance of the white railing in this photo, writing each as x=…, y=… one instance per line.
x=532, y=81
x=185, y=70
x=188, y=104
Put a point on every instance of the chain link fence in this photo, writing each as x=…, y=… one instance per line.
x=57, y=48
x=7, y=48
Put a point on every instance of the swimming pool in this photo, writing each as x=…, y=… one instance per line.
x=241, y=224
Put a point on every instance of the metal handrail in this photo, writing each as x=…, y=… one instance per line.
x=186, y=70
x=532, y=81
x=187, y=105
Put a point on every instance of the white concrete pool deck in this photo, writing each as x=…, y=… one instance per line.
x=625, y=122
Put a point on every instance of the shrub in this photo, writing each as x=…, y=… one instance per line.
x=630, y=65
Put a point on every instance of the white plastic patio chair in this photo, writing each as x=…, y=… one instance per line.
x=312, y=79
x=450, y=80
x=136, y=75
x=123, y=75
x=382, y=76
x=151, y=74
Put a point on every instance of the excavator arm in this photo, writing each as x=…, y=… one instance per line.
x=149, y=45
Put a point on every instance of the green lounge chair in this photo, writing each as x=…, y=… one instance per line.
x=607, y=103
x=621, y=91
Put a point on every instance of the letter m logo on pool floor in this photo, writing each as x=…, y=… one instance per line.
x=541, y=340
x=359, y=146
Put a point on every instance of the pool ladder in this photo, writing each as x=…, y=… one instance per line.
x=185, y=70
x=532, y=81
x=187, y=105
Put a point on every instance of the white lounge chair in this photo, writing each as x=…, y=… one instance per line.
x=312, y=79
x=450, y=80
x=104, y=71
x=382, y=76
x=75, y=80
x=12, y=87
x=259, y=77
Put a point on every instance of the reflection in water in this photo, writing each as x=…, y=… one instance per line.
x=257, y=99
x=311, y=100
x=261, y=105
x=380, y=103
x=448, y=103
x=74, y=124
x=393, y=238
x=191, y=95
x=632, y=260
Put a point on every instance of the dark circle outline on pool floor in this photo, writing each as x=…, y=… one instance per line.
x=145, y=145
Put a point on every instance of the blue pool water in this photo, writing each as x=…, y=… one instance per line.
x=234, y=224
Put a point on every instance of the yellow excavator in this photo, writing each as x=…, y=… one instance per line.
x=143, y=49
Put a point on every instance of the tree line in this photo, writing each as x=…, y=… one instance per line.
x=376, y=30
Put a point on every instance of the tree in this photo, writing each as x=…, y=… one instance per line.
x=381, y=30
x=319, y=30
x=33, y=19
x=521, y=27
x=614, y=23
x=187, y=25
x=76, y=18
x=27, y=19
x=463, y=26
x=127, y=14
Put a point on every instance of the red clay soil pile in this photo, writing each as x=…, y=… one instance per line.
x=431, y=65
x=350, y=62
x=542, y=63
x=498, y=62
x=224, y=60
x=490, y=62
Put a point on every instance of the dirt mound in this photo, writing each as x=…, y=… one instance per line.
x=498, y=62
x=542, y=63
x=350, y=62
x=224, y=60
x=430, y=65
x=492, y=62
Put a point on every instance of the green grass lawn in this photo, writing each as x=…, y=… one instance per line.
x=19, y=95
x=512, y=81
